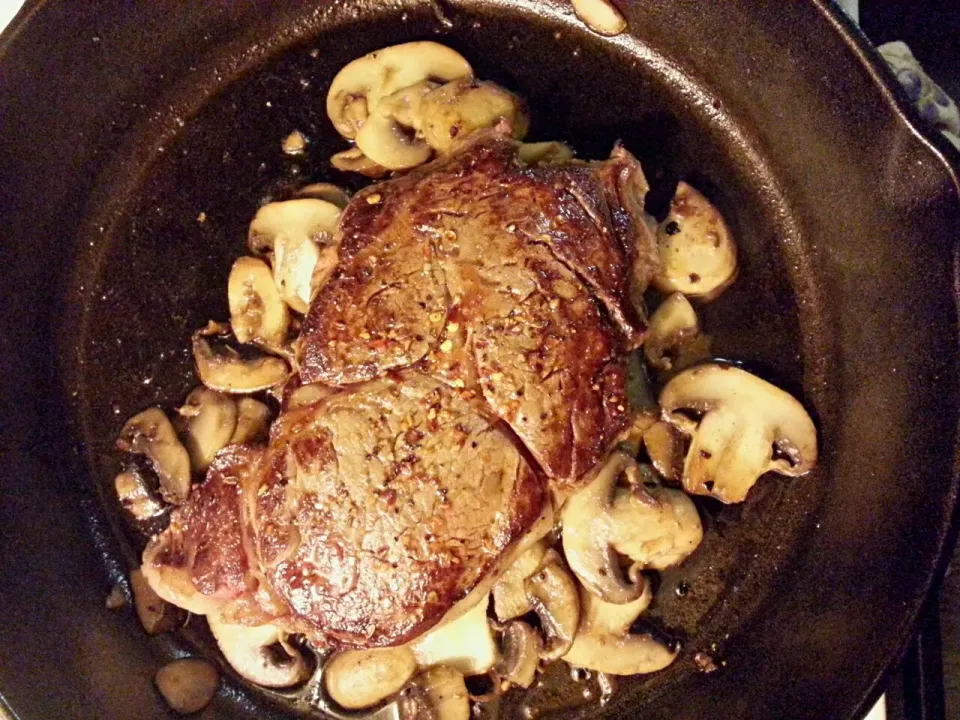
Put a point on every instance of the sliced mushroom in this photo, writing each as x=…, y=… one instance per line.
x=327, y=192
x=672, y=326
x=698, y=255
x=453, y=111
x=234, y=370
x=357, y=679
x=509, y=596
x=155, y=614
x=299, y=233
x=521, y=654
x=586, y=535
x=654, y=527
x=353, y=160
x=259, y=654
x=553, y=596
x=389, y=135
x=598, y=616
x=466, y=644
x=136, y=498
x=545, y=153
x=437, y=693
x=151, y=434
x=604, y=642
x=359, y=87
x=187, y=685
x=257, y=312
x=665, y=446
x=740, y=427
x=253, y=422
x=601, y=16
x=210, y=419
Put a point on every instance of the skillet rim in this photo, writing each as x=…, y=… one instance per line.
x=934, y=144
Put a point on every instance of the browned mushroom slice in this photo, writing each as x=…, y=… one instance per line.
x=210, y=419
x=655, y=527
x=151, y=434
x=453, y=111
x=553, y=596
x=361, y=85
x=604, y=642
x=521, y=654
x=135, y=496
x=740, y=427
x=235, y=370
x=698, y=254
x=509, y=596
x=253, y=422
x=389, y=135
x=601, y=16
x=358, y=679
x=437, y=693
x=300, y=234
x=257, y=312
x=353, y=160
x=465, y=643
x=260, y=653
x=674, y=341
x=187, y=685
x=665, y=446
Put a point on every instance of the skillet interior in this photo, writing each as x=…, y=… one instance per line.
x=794, y=584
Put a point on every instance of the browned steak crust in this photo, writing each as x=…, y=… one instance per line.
x=508, y=279
x=384, y=505
x=206, y=553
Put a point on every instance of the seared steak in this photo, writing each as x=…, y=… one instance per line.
x=504, y=279
x=383, y=505
x=473, y=338
x=202, y=560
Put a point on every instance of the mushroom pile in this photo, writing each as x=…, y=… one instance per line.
x=405, y=103
x=574, y=591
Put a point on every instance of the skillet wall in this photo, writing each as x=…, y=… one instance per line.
x=840, y=207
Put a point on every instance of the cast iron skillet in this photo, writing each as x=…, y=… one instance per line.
x=122, y=123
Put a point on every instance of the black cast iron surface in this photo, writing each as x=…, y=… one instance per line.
x=122, y=124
